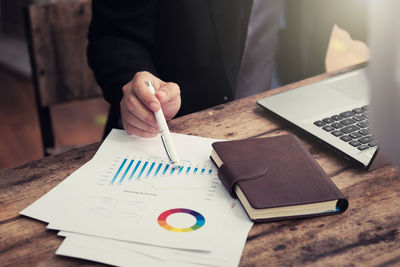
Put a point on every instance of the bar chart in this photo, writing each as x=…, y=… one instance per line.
x=131, y=168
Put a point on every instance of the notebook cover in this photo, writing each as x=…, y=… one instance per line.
x=275, y=172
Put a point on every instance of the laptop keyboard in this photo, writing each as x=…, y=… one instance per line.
x=351, y=127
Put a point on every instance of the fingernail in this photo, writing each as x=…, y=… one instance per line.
x=154, y=106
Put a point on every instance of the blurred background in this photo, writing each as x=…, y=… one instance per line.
x=305, y=33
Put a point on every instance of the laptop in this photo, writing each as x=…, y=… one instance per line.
x=335, y=111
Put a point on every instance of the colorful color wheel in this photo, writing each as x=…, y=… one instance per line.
x=162, y=220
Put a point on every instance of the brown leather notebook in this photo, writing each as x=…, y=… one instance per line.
x=276, y=178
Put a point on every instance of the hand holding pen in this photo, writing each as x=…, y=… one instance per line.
x=138, y=104
x=165, y=134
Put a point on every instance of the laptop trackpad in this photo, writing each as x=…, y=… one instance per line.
x=354, y=85
x=308, y=101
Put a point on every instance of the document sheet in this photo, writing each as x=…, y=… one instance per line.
x=129, y=206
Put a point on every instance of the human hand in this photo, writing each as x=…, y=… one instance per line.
x=138, y=104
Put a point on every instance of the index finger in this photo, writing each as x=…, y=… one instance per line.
x=168, y=92
x=142, y=91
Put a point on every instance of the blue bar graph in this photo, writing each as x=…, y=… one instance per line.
x=158, y=169
x=134, y=170
x=151, y=168
x=166, y=168
x=126, y=171
x=142, y=170
x=119, y=170
x=147, y=168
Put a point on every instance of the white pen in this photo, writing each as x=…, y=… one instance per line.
x=165, y=133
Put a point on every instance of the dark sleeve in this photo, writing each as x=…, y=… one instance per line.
x=121, y=43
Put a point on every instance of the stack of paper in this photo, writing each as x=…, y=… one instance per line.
x=127, y=206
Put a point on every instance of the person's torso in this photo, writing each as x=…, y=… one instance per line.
x=200, y=44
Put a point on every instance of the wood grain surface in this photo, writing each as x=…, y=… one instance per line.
x=367, y=234
x=57, y=37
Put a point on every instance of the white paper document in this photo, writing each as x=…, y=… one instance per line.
x=129, y=203
x=229, y=247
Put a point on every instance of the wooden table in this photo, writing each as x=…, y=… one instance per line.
x=367, y=234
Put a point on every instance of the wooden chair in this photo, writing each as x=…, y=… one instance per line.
x=57, y=40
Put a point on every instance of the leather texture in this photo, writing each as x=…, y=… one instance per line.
x=275, y=172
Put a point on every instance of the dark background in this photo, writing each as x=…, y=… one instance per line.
x=303, y=39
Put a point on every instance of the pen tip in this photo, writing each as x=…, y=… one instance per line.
x=176, y=165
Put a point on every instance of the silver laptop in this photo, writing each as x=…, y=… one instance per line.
x=334, y=111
